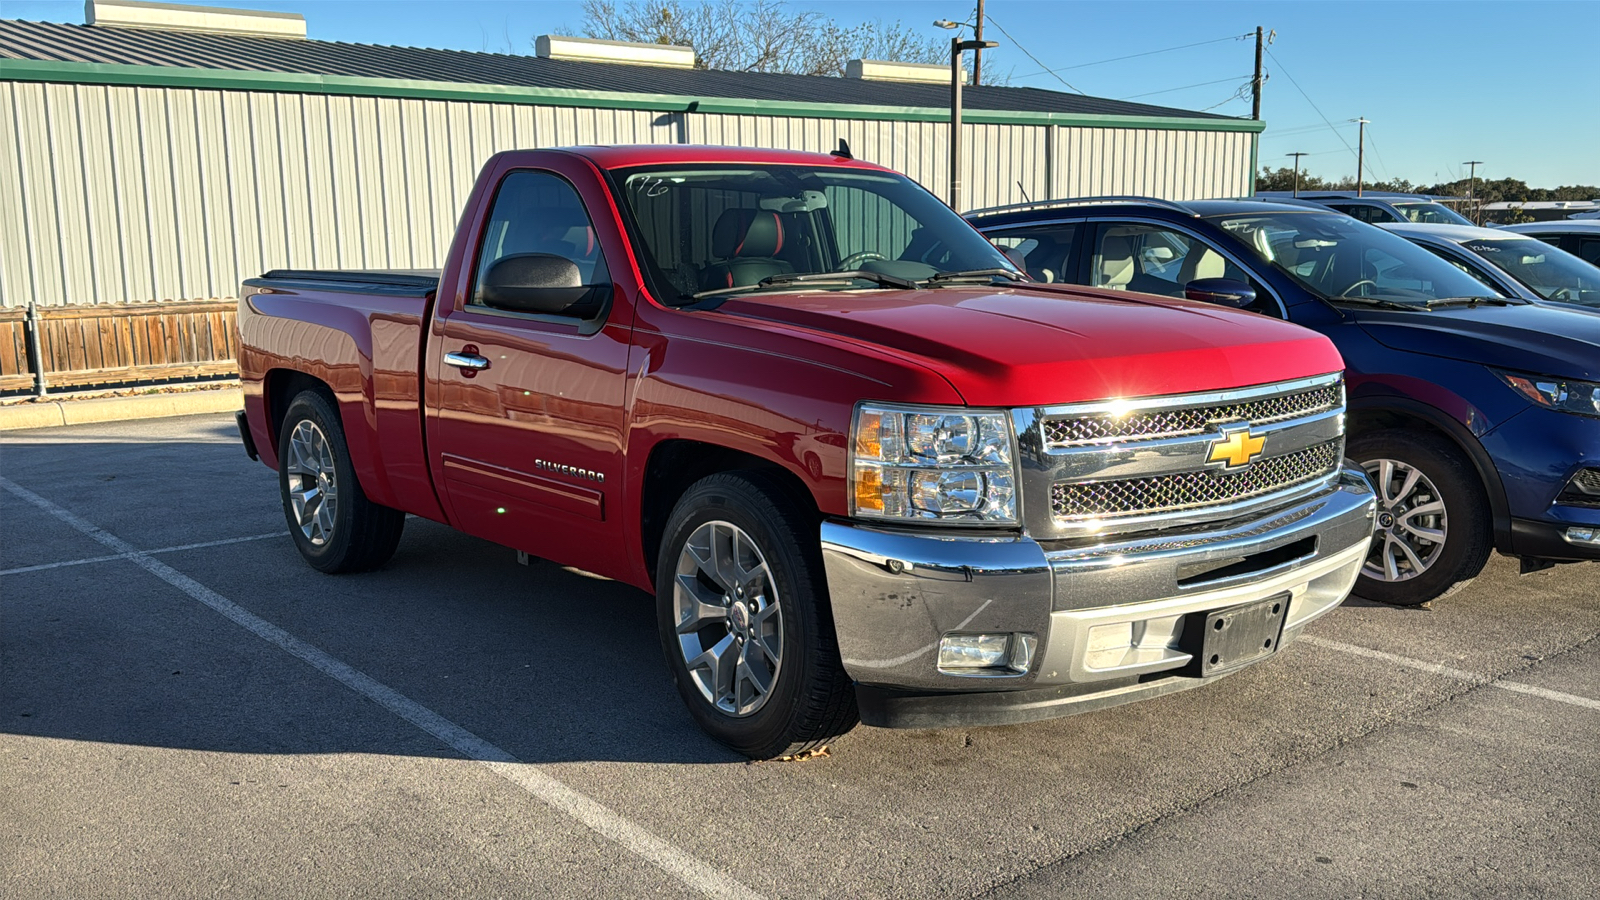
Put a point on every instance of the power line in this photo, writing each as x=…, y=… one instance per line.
x=1242, y=93
x=1310, y=101
x=1379, y=155
x=1100, y=62
x=1018, y=44
x=1184, y=88
x=1285, y=132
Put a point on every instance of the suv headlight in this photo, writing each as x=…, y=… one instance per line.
x=942, y=464
x=1581, y=397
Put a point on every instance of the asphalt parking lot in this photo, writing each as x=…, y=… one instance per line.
x=186, y=710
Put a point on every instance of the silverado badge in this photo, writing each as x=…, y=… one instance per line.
x=1236, y=448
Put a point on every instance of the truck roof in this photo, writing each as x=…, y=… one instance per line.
x=625, y=155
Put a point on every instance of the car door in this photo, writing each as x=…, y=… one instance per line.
x=1156, y=258
x=1586, y=249
x=1043, y=251
x=526, y=408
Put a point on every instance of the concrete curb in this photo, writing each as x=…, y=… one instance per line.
x=117, y=409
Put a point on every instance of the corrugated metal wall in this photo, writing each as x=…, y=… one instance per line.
x=111, y=194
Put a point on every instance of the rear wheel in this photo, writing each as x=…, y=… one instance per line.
x=1433, y=533
x=334, y=525
x=742, y=609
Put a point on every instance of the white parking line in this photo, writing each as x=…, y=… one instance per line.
x=691, y=871
x=96, y=559
x=1459, y=674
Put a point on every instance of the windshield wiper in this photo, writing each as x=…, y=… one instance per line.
x=784, y=280
x=1473, y=301
x=1379, y=302
x=973, y=274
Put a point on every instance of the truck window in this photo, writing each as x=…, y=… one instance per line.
x=704, y=228
x=537, y=212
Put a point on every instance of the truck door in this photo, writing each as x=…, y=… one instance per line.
x=526, y=400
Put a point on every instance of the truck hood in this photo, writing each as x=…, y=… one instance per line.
x=1543, y=340
x=1038, y=346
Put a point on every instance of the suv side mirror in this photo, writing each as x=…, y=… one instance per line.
x=1221, y=291
x=542, y=283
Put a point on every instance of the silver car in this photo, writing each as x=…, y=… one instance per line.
x=1580, y=237
x=1516, y=264
x=1379, y=207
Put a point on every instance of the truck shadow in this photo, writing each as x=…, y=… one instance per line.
x=546, y=663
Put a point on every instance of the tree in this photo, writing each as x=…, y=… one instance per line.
x=758, y=35
x=1282, y=179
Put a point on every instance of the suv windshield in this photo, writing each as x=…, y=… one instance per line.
x=1431, y=213
x=1338, y=257
x=719, y=227
x=1552, y=273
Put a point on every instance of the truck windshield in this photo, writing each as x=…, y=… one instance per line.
x=712, y=228
x=1340, y=258
x=1550, y=272
x=1431, y=213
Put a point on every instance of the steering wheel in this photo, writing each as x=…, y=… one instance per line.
x=1567, y=294
x=854, y=260
x=1346, y=291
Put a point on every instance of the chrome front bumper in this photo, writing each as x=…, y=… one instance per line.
x=897, y=593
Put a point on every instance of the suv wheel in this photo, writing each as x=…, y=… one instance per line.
x=1433, y=530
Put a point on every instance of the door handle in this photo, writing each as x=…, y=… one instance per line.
x=469, y=361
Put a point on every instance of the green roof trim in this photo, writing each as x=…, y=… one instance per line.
x=295, y=82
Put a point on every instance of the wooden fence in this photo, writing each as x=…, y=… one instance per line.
x=116, y=344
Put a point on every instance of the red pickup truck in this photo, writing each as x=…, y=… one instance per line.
x=868, y=470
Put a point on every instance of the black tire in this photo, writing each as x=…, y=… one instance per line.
x=811, y=700
x=363, y=535
x=1469, y=535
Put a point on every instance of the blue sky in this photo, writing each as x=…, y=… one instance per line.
x=1512, y=82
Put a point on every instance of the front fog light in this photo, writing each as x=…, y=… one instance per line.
x=1582, y=535
x=967, y=653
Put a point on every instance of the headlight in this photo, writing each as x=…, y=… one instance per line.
x=1581, y=397
x=945, y=464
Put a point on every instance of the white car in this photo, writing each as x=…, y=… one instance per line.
x=1516, y=264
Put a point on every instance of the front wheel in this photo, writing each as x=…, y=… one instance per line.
x=742, y=609
x=334, y=525
x=1433, y=532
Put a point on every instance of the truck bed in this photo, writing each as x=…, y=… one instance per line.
x=387, y=282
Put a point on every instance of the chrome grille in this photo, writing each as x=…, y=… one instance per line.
x=1187, y=490
x=1166, y=423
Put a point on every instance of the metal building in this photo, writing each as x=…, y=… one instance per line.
x=167, y=152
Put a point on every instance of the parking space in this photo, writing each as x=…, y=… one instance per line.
x=222, y=719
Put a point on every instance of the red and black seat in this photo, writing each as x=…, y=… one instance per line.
x=745, y=244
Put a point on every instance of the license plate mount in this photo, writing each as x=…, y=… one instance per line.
x=1225, y=639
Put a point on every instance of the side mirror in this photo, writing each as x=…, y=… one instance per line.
x=1221, y=291
x=542, y=283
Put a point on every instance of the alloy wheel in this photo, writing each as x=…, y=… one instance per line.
x=729, y=618
x=313, y=482
x=1412, y=526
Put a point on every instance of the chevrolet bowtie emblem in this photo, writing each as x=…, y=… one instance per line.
x=1237, y=448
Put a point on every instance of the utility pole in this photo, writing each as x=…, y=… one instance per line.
x=977, y=55
x=957, y=45
x=1297, y=154
x=1255, y=84
x=1472, y=184
x=1361, y=154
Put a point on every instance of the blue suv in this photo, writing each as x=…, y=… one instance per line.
x=1477, y=416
